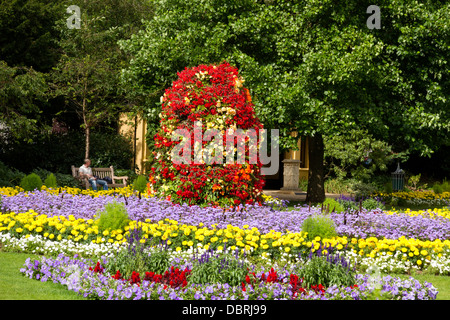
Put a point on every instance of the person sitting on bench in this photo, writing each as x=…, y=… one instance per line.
x=86, y=170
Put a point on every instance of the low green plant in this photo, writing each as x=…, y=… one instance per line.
x=136, y=257
x=445, y=186
x=327, y=272
x=337, y=186
x=50, y=181
x=388, y=187
x=31, y=182
x=437, y=188
x=372, y=204
x=140, y=184
x=413, y=181
x=333, y=205
x=113, y=217
x=221, y=267
x=319, y=225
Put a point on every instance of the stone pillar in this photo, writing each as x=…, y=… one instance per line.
x=291, y=174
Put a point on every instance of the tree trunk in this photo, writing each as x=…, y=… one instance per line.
x=87, y=131
x=88, y=141
x=316, y=190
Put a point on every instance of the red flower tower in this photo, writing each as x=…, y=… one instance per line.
x=214, y=97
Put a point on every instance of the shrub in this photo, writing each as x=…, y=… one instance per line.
x=31, y=182
x=363, y=190
x=327, y=270
x=318, y=225
x=66, y=180
x=50, y=181
x=445, y=186
x=437, y=188
x=113, y=217
x=140, y=184
x=388, y=187
x=9, y=177
x=335, y=206
x=372, y=204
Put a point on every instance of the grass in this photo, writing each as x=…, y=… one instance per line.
x=14, y=286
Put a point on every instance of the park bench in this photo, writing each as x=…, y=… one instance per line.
x=101, y=173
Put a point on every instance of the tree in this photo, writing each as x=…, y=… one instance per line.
x=315, y=65
x=27, y=34
x=21, y=89
x=88, y=73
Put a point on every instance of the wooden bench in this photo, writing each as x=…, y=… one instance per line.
x=101, y=173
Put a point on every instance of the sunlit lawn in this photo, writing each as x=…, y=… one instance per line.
x=15, y=286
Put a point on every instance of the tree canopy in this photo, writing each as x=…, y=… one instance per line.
x=313, y=67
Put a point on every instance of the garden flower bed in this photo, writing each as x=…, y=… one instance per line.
x=89, y=279
x=51, y=222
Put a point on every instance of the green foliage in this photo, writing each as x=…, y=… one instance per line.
x=437, y=188
x=318, y=270
x=314, y=64
x=372, y=204
x=20, y=91
x=28, y=33
x=413, y=181
x=113, y=217
x=338, y=186
x=137, y=257
x=31, y=182
x=388, y=187
x=349, y=204
x=131, y=174
x=334, y=205
x=346, y=154
x=9, y=177
x=303, y=184
x=107, y=148
x=218, y=268
x=319, y=225
x=50, y=181
x=87, y=75
x=445, y=186
x=62, y=180
x=140, y=184
x=363, y=190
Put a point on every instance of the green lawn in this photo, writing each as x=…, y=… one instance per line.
x=14, y=286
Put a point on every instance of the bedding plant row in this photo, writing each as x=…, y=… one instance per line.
x=64, y=224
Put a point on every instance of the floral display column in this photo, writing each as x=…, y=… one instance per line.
x=207, y=98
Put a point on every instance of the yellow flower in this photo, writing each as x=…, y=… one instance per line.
x=419, y=262
x=51, y=236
